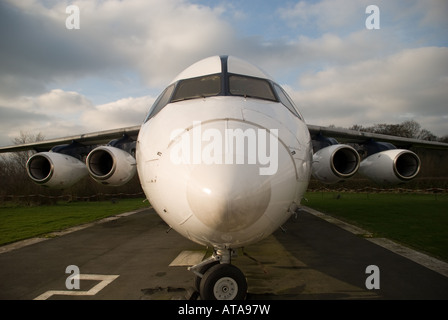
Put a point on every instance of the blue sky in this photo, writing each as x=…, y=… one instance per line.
x=106, y=74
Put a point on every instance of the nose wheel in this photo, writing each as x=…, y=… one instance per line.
x=217, y=279
x=223, y=282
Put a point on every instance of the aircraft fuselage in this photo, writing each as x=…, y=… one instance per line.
x=225, y=167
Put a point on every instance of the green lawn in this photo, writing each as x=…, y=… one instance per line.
x=417, y=220
x=21, y=222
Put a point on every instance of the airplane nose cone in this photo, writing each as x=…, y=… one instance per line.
x=228, y=197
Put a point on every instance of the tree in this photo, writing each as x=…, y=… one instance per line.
x=427, y=135
x=13, y=167
x=410, y=129
x=407, y=129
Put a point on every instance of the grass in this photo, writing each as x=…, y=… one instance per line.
x=18, y=222
x=419, y=221
x=416, y=220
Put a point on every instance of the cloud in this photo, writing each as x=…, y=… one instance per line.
x=107, y=73
x=52, y=103
x=61, y=101
x=324, y=16
x=54, y=113
x=38, y=50
x=408, y=84
x=59, y=113
x=156, y=37
x=405, y=23
x=45, y=66
x=121, y=113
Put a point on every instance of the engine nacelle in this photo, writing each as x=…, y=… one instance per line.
x=111, y=166
x=335, y=163
x=55, y=170
x=391, y=166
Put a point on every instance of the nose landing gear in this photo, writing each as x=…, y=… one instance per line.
x=218, y=279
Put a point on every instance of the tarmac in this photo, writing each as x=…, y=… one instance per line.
x=134, y=256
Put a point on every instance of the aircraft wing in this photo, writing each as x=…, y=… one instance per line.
x=93, y=138
x=354, y=136
x=345, y=135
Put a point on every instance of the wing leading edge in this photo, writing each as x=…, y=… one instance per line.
x=354, y=136
x=103, y=137
x=93, y=138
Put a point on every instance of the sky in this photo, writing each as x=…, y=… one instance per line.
x=59, y=81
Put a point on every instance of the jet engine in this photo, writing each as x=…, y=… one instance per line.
x=111, y=166
x=391, y=166
x=55, y=170
x=335, y=163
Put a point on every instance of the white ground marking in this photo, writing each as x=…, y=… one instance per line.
x=188, y=258
x=104, y=281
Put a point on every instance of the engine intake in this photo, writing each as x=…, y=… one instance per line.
x=391, y=166
x=335, y=163
x=111, y=166
x=55, y=170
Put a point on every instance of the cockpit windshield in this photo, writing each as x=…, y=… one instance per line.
x=251, y=87
x=222, y=84
x=208, y=86
x=201, y=87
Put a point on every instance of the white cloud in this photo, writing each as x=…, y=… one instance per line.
x=121, y=113
x=59, y=113
x=151, y=39
x=61, y=101
x=52, y=78
x=157, y=37
x=54, y=113
x=409, y=84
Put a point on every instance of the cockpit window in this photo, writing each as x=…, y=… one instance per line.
x=222, y=84
x=197, y=88
x=286, y=100
x=161, y=101
x=251, y=87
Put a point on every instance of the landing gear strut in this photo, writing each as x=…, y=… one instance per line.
x=217, y=279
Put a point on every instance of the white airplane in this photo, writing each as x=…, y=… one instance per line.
x=224, y=157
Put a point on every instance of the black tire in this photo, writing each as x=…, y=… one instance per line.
x=223, y=282
x=197, y=279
